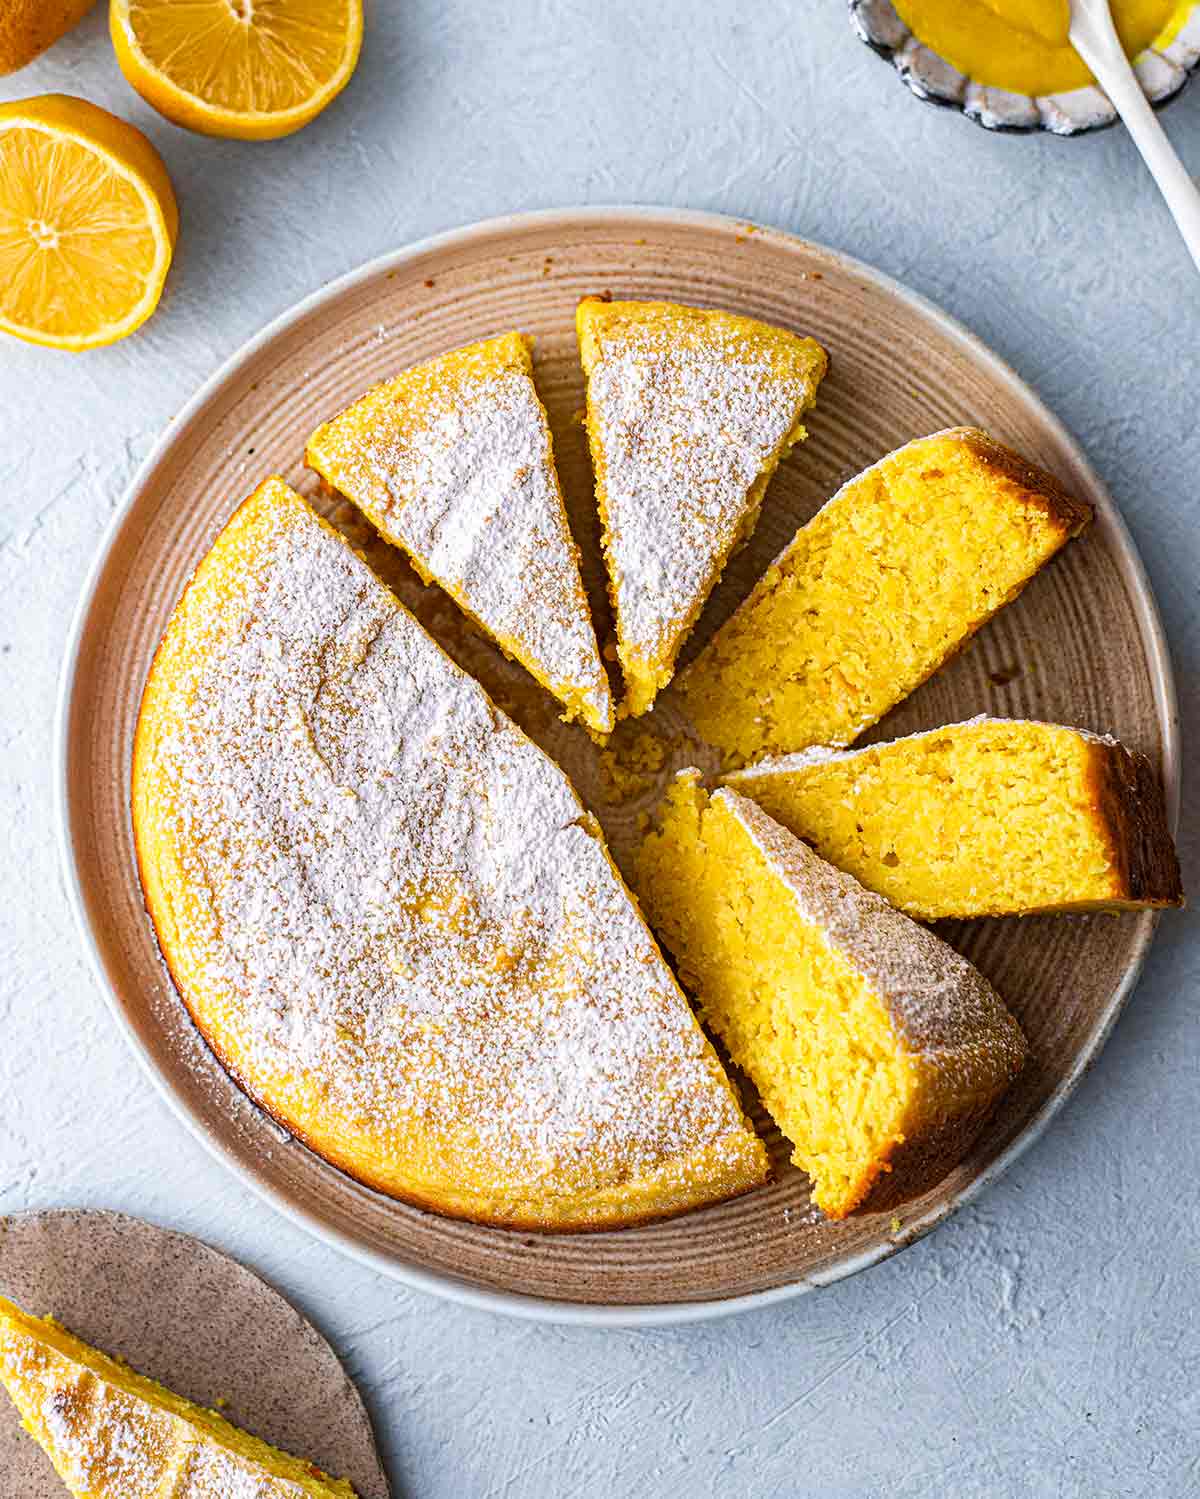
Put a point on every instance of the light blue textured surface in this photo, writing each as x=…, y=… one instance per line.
x=1046, y=1341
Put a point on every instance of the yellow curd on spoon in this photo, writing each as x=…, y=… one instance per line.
x=1022, y=45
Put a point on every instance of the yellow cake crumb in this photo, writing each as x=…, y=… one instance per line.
x=994, y=817
x=631, y=762
x=886, y=582
x=876, y=1048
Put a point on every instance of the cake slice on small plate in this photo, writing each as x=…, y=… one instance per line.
x=113, y=1434
x=994, y=817
x=688, y=415
x=453, y=462
x=877, y=1049
x=883, y=585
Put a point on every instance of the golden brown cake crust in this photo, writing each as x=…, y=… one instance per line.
x=1132, y=809
x=1042, y=487
x=918, y=1165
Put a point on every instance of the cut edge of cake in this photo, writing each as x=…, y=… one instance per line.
x=681, y=544
x=1120, y=795
x=1032, y=488
x=458, y=447
x=952, y=1033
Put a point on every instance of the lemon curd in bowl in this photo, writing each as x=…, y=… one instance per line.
x=1021, y=45
x=1009, y=65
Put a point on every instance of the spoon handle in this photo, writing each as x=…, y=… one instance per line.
x=1095, y=39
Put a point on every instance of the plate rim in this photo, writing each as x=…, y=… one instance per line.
x=455, y=1288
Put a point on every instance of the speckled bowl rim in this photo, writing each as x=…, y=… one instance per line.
x=451, y=1287
x=1074, y=112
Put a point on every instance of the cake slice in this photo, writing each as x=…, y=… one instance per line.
x=688, y=415
x=886, y=582
x=392, y=917
x=875, y=1047
x=453, y=463
x=995, y=817
x=113, y=1434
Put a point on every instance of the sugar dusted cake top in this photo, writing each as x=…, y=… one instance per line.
x=453, y=461
x=391, y=916
x=689, y=412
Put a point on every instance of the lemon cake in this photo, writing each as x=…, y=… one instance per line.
x=113, y=1434
x=886, y=582
x=688, y=415
x=875, y=1047
x=995, y=817
x=391, y=916
x=453, y=462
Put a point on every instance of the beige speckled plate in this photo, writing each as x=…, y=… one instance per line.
x=1082, y=645
x=191, y=1318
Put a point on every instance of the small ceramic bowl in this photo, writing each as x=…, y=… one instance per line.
x=1163, y=72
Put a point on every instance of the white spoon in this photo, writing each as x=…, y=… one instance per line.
x=1094, y=37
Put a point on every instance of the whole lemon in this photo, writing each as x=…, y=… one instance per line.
x=28, y=27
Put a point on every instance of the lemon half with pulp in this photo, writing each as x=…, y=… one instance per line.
x=88, y=223
x=250, y=69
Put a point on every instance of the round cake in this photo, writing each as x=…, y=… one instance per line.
x=399, y=927
x=392, y=918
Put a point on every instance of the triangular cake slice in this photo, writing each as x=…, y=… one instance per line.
x=113, y=1434
x=994, y=817
x=891, y=577
x=453, y=462
x=688, y=415
x=877, y=1049
x=391, y=916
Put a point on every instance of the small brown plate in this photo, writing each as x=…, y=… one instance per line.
x=1082, y=645
x=195, y=1320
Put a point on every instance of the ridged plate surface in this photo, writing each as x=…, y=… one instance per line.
x=1081, y=646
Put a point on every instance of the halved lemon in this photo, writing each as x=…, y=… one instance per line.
x=251, y=69
x=87, y=223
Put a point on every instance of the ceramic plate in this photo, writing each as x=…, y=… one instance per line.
x=1082, y=645
x=191, y=1318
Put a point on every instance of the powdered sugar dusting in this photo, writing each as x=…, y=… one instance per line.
x=685, y=427
x=460, y=473
x=937, y=1000
x=101, y=1439
x=106, y=1440
x=395, y=893
x=211, y=1473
